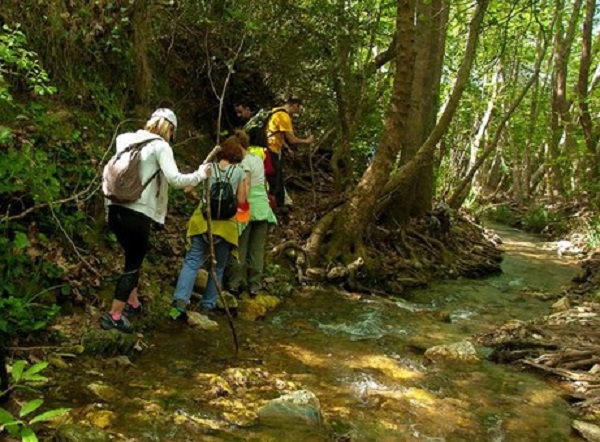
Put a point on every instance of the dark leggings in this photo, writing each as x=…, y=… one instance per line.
x=132, y=230
x=276, y=182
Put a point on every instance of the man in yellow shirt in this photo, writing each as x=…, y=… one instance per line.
x=280, y=134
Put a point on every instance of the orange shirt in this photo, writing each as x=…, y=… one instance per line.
x=279, y=123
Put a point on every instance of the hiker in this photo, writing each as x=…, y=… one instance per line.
x=131, y=222
x=243, y=110
x=247, y=273
x=225, y=233
x=280, y=134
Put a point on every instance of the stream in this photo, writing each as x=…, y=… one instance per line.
x=362, y=356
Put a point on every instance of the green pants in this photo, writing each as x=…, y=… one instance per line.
x=247, y=273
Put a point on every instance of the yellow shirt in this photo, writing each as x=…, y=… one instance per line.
x=279, y=123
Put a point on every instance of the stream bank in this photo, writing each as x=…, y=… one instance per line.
x=363, y=357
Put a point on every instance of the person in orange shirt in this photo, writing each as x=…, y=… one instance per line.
x=280, y=134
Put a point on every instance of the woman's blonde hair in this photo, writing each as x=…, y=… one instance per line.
x=161, y=127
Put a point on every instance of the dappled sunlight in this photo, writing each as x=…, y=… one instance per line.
x=385, y=365
x=308, y=357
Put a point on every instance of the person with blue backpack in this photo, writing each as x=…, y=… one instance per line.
x=227, y=189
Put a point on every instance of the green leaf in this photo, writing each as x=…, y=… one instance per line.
x=6, y=417
x=30, y=407
x=17, y=370
x=49, y=415
x=21, y=240
x=28, y=435
x=35, y=369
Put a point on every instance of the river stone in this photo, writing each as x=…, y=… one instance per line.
x=460, y=351
x=562, y=305
x=100, y=342
x=589, y=432
x=104, y=392
x=200, y=321
x=80, y=433
x=299, y=407
x=102, y=419
x=257, y=308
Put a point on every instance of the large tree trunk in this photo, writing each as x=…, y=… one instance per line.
x=591, y=140
x=415, y=199
x=350, y=223
x=560, y=118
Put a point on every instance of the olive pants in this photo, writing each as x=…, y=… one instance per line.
x=248, y=272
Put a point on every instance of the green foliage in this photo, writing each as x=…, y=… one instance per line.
x=22, y=422
x=502, y=214
x=536, y=219
x=592, y=236
x=17, y=64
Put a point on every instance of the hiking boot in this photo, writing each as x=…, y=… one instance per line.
x=178, y=310
x=107, y=323
x=131, y=311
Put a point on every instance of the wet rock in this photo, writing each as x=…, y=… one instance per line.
x=80, y=433
x=117, y=362
x=460, y=351
x=257, y=308
x=201, y=322
x=300, y=407
x=220, y=387
x=562, y=305
x=230, y=300
x=589, y=432
x=104, y=392
x=201, y=281
x=102, y=419
x=315, y=273
x=57, y=361
x=108, y=342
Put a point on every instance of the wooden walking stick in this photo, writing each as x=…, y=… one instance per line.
x=211, y=245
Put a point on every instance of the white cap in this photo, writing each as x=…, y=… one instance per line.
x=167, y=114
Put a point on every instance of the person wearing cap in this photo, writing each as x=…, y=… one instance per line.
x=131, y=223
x=253, y=225
x=280, y=134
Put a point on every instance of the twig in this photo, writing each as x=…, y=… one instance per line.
x=75, y=197
x=213, y=260
x=81, y=258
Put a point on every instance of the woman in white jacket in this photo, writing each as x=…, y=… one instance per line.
x=131, y=222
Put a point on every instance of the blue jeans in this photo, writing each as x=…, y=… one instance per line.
x=194, y=259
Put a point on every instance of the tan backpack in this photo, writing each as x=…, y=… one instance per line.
x=121, y=181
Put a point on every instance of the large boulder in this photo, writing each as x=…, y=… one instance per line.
x=300, y=407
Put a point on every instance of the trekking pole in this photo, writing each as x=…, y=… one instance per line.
x=211, y=245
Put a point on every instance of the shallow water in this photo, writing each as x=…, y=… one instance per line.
x=361, y=356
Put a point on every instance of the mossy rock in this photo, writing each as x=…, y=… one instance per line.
x=108, y=343
x=257, y=308
x=80, y=433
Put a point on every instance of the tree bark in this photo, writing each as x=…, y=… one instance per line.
x=143, y=75
x=350, y=224
x=415, y=199
x=406, y=172
x=585, y=118
x=560, y=117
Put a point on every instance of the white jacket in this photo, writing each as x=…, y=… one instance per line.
x=156, y=155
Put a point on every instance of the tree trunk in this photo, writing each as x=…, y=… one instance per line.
x=585, y=119
x=349, y=226
x=415, y=199
x=560, y=104
x=143, y=76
